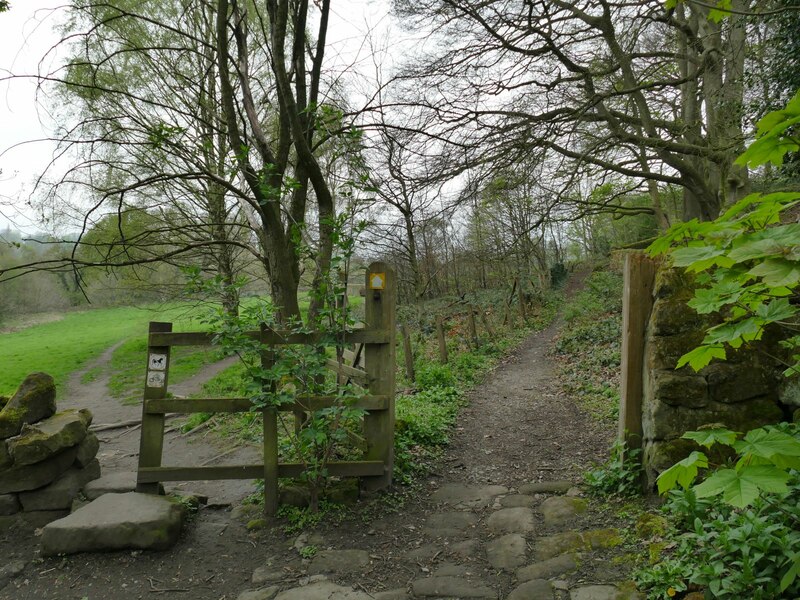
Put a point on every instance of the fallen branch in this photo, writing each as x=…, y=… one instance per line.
x=120, y=425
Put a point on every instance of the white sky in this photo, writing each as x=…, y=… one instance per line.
x=26, y=34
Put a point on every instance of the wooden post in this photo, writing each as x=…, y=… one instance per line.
x=487, y=325
x=637, y=302
x=523, y=313
x=442, y=340
x=379, y=314
x=408, y=353
x=473, y=332
x=151, y=442
x=270, y=442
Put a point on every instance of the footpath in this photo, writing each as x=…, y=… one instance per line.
x=501, y=517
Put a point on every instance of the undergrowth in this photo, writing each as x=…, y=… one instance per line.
x=589, y=346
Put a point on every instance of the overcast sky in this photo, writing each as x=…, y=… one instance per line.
x=26, y=35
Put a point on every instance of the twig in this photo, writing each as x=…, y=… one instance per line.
x=210, y=460
x=120, y=425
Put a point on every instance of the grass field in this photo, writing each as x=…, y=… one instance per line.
x=63, y=346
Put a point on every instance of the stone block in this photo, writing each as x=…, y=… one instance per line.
x=118, y=482
x=507, y=552
x=35, y=399
x=39, y=518
x=9, y=504
x=49, y=436
x=87, y=449
x=660, y=421
x=678, y=389
x=5, y=457
x=733, y=382
x=30, y=477
x=60, y=494
x=116, y=522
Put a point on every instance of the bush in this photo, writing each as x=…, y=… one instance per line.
x=431, y=375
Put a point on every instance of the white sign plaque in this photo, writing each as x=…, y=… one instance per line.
x=158, y=362
x=155, y=379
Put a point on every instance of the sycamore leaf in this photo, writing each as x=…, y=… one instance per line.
x=772, y=143
x=722, y=10
x=734, y=332
x=709, y=437
x=741, y=488
x=756, y=249
x=683, y=257
x=682, y=472
x=778, y=309
x=701, y=356
x=767, y=444
x=777, y=272
x=707, y=301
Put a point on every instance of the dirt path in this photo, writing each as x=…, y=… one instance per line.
x=475, y=524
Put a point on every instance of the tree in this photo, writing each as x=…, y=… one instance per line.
x=645, y=92
x=211, y=116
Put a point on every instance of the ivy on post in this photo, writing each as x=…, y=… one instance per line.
x=379, y=315
x=151, y=443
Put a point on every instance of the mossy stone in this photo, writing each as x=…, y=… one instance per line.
x=655, y=552
x=5, y=457
x=256, y=524
x=649, y=525
x=50, y=436
x=34, y=400
x=602, y=538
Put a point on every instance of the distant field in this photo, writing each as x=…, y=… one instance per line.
x=59, y=347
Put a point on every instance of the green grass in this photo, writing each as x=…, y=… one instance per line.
x=61, y=347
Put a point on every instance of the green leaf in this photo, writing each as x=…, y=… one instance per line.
x=682, y=472
x=701, y=356
x=756, y=249
x=734, y=332
x=741, y=488
x=790, y=575
x=709, y=437
x=777, y=272
x=722, y=10
x=778, y=309
x=767, y=444
x=684, y=257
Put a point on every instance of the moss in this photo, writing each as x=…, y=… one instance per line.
x=649, y=525
x=655, y=552
x=256, y=524
x=602, y=538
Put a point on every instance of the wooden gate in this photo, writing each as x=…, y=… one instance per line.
x=378, y=377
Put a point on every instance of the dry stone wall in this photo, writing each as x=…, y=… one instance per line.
x=744, y=392
x=46, y=457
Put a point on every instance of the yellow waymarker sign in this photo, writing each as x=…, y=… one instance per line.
x=377, y=281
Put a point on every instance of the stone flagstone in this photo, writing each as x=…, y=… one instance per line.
x=339, y=561
x=559, y=510
x=451, y=587
x=116, y=522
x=449, y=524
x=323, y=590
x=507, y=552
x=536, y=589
x=511, y=520
x=467, y=495
x=118, y=482
x=546, y=487
x=547, y=569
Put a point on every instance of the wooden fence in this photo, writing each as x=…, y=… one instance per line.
x=377, y=338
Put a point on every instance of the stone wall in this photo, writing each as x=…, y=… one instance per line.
x=744, y=392
x=46, y=457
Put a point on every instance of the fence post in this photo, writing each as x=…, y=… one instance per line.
x=487, y=325
x=270, y=440
x=151, y=442
x=473, y=332
x=523, y=312
x=442, y=339
x=379, y=315
x=408, y=353
x=637, y=302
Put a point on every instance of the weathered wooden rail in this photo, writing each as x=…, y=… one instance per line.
x=375, y=341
